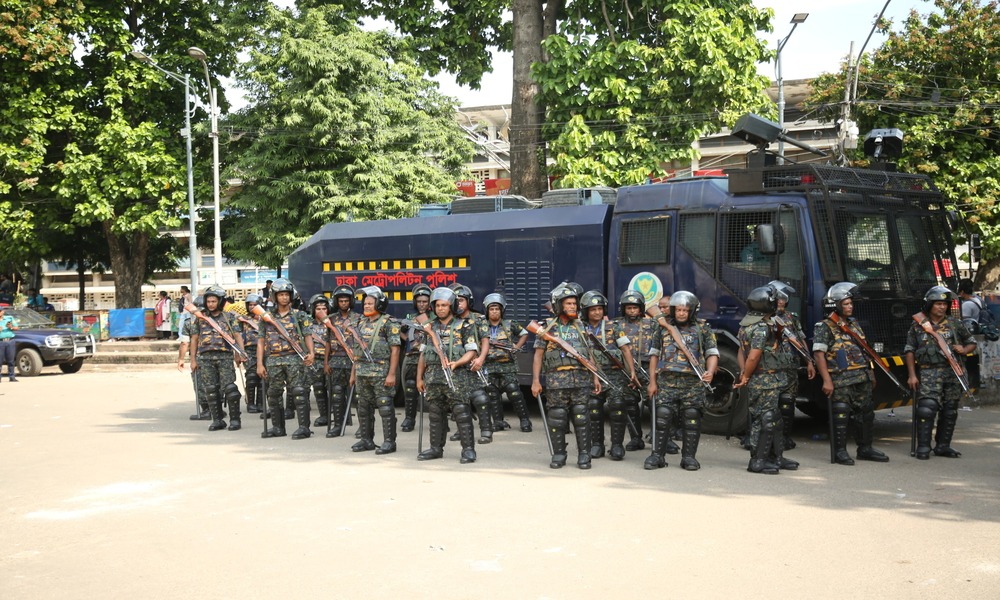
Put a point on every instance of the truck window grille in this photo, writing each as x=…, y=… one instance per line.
x=526, y=286
x=741, y=265
x=696, y=234
x=644, y=241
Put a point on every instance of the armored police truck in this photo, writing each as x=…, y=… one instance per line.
x=718, y=237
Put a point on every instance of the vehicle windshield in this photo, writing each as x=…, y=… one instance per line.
x=881, y=258
x=29, y=319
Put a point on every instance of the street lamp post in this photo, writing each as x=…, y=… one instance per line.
x=796, y=19
x=199, y=55
x=192, y=240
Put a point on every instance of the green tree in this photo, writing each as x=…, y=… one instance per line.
x=936, y=79
x=631, y=86
x=99, y=144
x=342, y=126
x=457, y=36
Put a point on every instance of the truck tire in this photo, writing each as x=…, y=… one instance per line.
x=29, y=362
x=72, y=366
x=718, y=404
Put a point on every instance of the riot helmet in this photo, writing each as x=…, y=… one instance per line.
x=282, y=285
x=443, y=293
x=218, y=292
x=560, y=293
x=252, y=299
x=381, y=300
x=631, y=297
x=341, y=291
x=938, y=293
x=685, y=299
x=463, y=291
x=762, y=300
x=497, y=299
x=199, y=301
x=318, y=299
x=421, y=289
x=839, y=292
x=591, y=299
x=576, y=287
x=784, y=290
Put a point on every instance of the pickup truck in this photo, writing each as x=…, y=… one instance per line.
x=40, y=344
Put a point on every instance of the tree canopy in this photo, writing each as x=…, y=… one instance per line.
x=341, y=126
x=936, y=79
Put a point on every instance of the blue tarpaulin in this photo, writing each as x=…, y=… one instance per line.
x=127, y=323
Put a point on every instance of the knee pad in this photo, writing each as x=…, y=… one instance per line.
x=578, y=411
x=231, y=393
x=558, y=417
x=253, y=380
x=479, y=399
x=211, y=393
x=692, y=418
x=461, y=413
x=410, y=385
x=664, y=414
x=492, y=391
x=385, y=408
x=337, y=392
x=511, y=389
x=768, y=420
x=786, y=403
x=298, y=392
x=926, y=408
x=595, y=405
x=616, y=404
x=841, y=412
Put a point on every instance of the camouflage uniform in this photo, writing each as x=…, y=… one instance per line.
x=414, y=339
x=768, y=379
x=458, y=337
x=940, y=391
x=679, y=389
x=791, y=360
x=316, y=375
x=188, y=328
x=611, y=334
x=502, y=368
x=285, y=370
x=216, y=373
x=381, y=335
x=640, y=331
x=567, y=387
x=475, y=386
x=340, y=369
x=851, y=372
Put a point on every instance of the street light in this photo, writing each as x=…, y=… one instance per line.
x=796, y=19
x=199, y=55
x=192, y=240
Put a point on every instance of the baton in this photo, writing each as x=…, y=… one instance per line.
x=347, y=413
x=420, y=424
x=545, y=422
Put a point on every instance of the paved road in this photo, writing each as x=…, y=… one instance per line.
x=109, y=491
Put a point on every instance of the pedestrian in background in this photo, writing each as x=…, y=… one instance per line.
x=8, y=325
x=161, y=316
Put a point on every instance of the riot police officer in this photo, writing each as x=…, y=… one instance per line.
x=318, y=374
x=457, y=340
x=674, y=382
x=480, y=399
x=792, y=360
x=611, y=345
x=278, y=360
x=937, y=388
x=374, y=381
x=251, y=325
x=847, y=374
x=762, y=373
x=414, y=338
x=639, y=329
x=343, y=319
x=212, y=358
x=501, y=365
x=568, y=384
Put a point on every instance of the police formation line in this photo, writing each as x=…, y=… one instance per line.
x=589, y=369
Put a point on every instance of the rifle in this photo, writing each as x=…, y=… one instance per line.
x=543, y=333
x=679, y=342
x=337, y=333
x=318, y=338
x=347, y=413
x=504, y=346
x=253, y=324
x=599, y=345
x=640, y=373
x=436, y=343
x=194, y=310
x=267, y=318
x=793, y=338
x=878, y=360
x=946, y=350
x=361, y=342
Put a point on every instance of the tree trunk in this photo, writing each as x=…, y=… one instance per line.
x=528, y=177
x=81, y=270
x=128, y=262
x=988, y=274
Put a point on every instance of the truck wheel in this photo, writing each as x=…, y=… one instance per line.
x=72, y=366
x=718, y=404
x=29, y=362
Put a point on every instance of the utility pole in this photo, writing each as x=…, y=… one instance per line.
x=845, y=111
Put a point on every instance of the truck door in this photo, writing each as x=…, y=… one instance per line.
x=524, y=274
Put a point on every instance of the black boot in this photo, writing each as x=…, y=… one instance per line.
x=947, y=419
x=366, y=427
x=301, y=398
x=277, y=422
x=634, y=412
x=234, y=414
x=482, y=403
x=435, y=424
x=520, y=406
x=496, y=408
x=596, y=428
x=558, y=426
x=865, y=449
x=760, y=462
x=841, y=416
x=617, y=451
x=463, y=420
x=692, y=435
x=289, y=408
x=253, y=392
x=215, y=408
x=581, y=427
x=204, y=413
x=786, y=405
x=778, y=449
x=323, y=406
x=388, y=415
x=663, y=418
